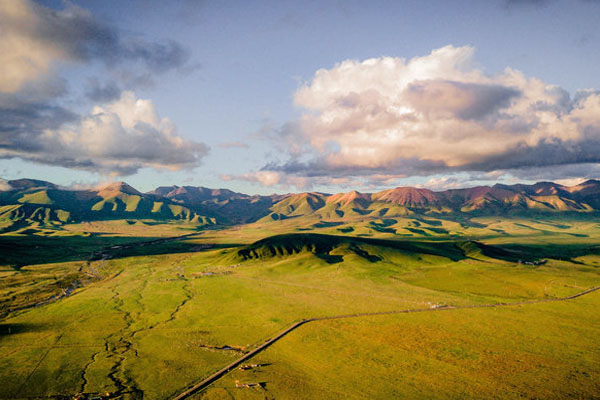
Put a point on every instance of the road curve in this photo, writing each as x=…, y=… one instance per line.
x=220, y=373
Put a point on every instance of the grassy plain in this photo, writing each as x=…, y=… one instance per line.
x=148, y=321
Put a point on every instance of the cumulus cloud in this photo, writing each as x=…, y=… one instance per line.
x=443, y=183
x=117, y=138
x=566, y=172
x=4, y=185
x=33, y=38
x=121, y=133
x=102, y=93
x=437, y=113
x=265, y=178
x=439, y=98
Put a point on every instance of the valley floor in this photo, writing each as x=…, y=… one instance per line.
x=150, y=321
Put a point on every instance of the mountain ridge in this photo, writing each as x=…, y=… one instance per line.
x=41, y=201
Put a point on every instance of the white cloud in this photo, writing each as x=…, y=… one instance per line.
x=4, y=185
x=570, y=182
x=437, y=113
x=117, y=138
x=443, y=183
x=265, y=178
x=23, y=56
x=34, y=38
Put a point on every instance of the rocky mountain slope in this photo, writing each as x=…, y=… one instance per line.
x=33, y=201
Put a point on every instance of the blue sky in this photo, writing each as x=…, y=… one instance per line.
x=237, y=81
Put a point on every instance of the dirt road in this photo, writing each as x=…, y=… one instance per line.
x=219, y=374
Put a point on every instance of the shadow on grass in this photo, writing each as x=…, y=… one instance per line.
x=322, y=246
x=19, y=251
x=149, y=249
x=13, y=329
x=534, y=252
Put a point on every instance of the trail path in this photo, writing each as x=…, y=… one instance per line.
x=222, y=372
x=101, y=255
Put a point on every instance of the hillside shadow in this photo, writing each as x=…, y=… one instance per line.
x=535, y=252
x=175, y=247
x=20, y=251
x=322, y=245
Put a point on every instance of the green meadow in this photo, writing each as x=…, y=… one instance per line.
x=123, y=310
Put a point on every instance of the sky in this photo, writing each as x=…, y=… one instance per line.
x=284, y=96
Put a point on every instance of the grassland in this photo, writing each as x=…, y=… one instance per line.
x=148, y=321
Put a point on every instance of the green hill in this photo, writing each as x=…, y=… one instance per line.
x=360, y=213
x=333, y=248
x=34, y=204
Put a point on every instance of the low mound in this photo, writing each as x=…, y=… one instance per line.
x=331, y=248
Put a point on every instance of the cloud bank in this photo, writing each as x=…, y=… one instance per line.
x=121, y=133
x=34, y=38
x=4, y=185
x=117, y=138
x=385, y=117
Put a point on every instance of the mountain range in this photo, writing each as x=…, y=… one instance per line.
x=26, y=201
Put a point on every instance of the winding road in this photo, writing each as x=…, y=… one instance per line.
x=222, y=372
